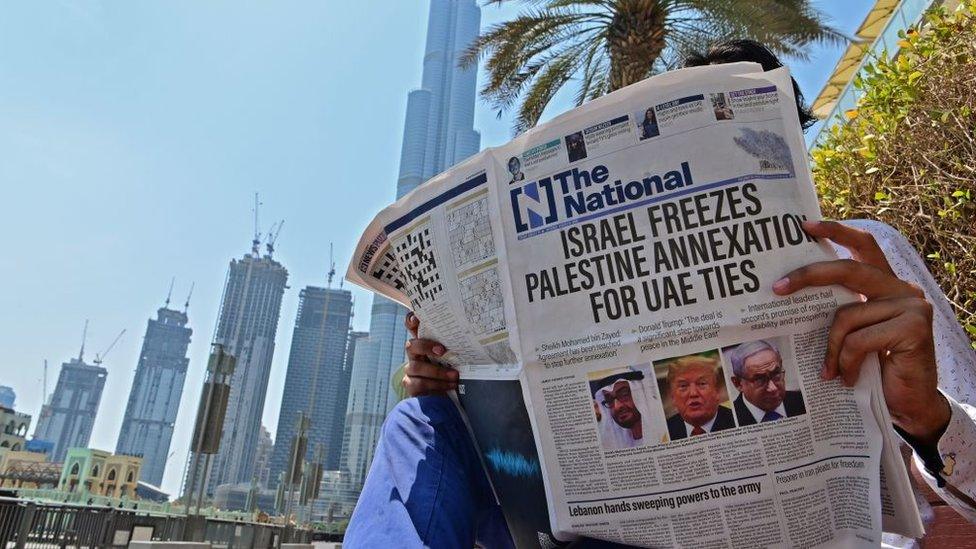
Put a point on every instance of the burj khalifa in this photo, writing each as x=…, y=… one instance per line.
x=438, y=133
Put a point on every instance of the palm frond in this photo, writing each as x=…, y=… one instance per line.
x=605, y=44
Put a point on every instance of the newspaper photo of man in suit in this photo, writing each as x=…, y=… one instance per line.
x=759, y=376
x=696, y=388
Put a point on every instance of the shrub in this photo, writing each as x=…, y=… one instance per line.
x=907, y=154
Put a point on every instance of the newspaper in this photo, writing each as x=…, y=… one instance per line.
x=603, y=285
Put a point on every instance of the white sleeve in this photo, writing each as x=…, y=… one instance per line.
x=955, y=356
x=951, y=471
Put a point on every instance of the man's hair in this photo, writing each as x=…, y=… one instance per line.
x=680, y=365
x=737, y=355
x=733, y=51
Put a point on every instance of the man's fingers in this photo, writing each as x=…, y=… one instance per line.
x=853, y=317
x=419, y=386
x=857, y=345
x=888, y=335
x=424, y=369
x=412, y=323
x=862, y=278
x=421, y=376
x=423, y=348
x=862, y=244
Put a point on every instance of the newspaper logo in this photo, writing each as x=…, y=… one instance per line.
x=578, y=194
x=533, y=209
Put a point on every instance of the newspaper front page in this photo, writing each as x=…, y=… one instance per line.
x=604, y=285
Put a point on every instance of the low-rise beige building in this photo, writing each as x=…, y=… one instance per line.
x=99, y=473
x=22, y=469
x=13, y=429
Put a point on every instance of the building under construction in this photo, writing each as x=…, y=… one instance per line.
x=154, y=400
x=317, y=381
x=246, y=330
x=66, y=420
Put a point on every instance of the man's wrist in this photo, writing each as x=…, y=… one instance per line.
x=926, y=424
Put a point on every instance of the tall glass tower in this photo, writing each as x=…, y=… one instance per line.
x=67, y=419
x=438, y=133
x=246, y=329
x=7, y=397
x=147, y=427
x=317, y=381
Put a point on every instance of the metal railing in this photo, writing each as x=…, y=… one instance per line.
x=86, y=499
x=41, y=525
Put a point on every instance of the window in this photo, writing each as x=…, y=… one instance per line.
x=75, y=469
x=111, y=475
x=94, y=471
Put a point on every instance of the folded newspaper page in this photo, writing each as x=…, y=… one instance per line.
x=603, y=285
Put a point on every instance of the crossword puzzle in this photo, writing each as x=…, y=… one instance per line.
x=416, y=255
x=388, y=270
x=470, y=233
x=481, y=296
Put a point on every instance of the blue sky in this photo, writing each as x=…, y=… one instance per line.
x=134, y=134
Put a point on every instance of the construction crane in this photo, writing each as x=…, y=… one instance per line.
x=99, y=357
x=169, y=294
x=331, y=265
x=273, y=236
x=186, y=305
x=84, y=339
x=256, y=243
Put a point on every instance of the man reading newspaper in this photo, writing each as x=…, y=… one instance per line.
x=427, y=485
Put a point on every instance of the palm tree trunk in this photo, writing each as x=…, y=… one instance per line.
x=636, y=38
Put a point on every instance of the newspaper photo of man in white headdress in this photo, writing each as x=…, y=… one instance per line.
x=625, y=403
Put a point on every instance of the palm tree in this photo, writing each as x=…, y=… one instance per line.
x=607, y=44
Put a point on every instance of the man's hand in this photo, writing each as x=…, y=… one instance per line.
x=894, y=321
x=422, y=376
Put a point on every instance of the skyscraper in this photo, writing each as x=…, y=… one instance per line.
x=7, y=397
x=147, y=427
x=438, y=133
x=439, y=128
x=317, y=381
x=246, y=329
x=262, y=458
x=369, y=387
x=66, y=420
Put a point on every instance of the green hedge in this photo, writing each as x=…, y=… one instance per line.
x=907, y=154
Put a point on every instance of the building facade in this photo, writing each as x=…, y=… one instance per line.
x=25, y=469
x=7, y=397
x=154, y=400
x=317, y=381
x=246, y=329
x=13, y=429
x=877, y=34
x=262, y=459
x=235, y=497
x=99, y=473
x=66, y=420
x=438, y=133
x=369, y=389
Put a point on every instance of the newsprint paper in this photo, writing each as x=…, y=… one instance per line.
x=598, y=281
